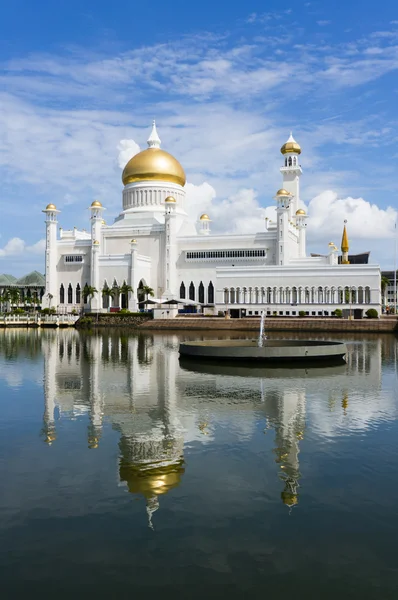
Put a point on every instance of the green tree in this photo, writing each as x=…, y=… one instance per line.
x=89, y=292
x=147, y=291
x=14, y=296
x=125, y=290
x=385, y=282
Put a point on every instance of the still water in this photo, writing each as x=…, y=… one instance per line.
x=124, y=472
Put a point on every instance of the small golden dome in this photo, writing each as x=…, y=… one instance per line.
x=103, y=222
x=51, y=207
x=291, y=146
x=96, y=243
x=283, y=192
x=300, y=211
x=289, y=498
x=152, y=480
x=153, y=164
x=204, y=217
x=96, y=204
x=170, y=199
x=133, y=242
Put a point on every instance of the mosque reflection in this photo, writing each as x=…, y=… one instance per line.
x=158, y=404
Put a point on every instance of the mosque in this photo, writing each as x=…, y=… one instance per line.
x=154, y=243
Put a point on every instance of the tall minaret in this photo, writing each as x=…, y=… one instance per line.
x=344, y=247
x=96, y=209
x=50, y=297
x=283, y=198
x=291, y=172
x=170, y=250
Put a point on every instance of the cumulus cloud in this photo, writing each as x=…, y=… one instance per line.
x=16, y=246
x=127, y=149
x=366, y=221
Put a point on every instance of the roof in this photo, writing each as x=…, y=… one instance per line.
x=33, y=278
x=7, y=279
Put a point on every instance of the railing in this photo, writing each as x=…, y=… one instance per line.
x=39, y=320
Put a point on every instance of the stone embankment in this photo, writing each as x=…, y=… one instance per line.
x=383, y=325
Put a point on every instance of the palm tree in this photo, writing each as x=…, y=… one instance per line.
x=385, y=282
x=14, y=295
x=125, y=290
x=89, y=292
x=107, y=292
x=147, y=291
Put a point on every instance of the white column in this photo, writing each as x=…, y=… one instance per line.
x=170, y=250
x=95, y=282
x=132, y=300
x=51, y=294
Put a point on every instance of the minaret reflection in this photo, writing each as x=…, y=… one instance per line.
x=287, y=417
x=50, y=361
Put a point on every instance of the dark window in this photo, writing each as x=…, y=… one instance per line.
x=201, y=293
x=70, y=294
x=62, y=294
x=78, y=294
x=182, y=291
x=191, y=291
x=210, y=293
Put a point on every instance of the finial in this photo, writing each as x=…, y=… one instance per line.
x=154, y=140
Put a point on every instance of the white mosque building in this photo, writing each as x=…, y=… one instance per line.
x=154, y=243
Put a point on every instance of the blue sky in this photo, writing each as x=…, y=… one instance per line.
x=81, y=81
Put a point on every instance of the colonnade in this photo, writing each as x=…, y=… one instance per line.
x=298, y=295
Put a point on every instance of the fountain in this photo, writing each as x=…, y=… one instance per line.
x=261, y=337
x=264, y=349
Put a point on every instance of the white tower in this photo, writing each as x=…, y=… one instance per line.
x=283, y=198
x=170, y=253
x=204, y=222
x=50, y=297
x=301, y=226
x=96, y=209
x=291, y=172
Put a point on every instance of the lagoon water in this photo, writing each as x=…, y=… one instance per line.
x=127, y=473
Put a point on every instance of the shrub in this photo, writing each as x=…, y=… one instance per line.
x=49, y=311
x=86, y=321
x=221, y=313
x=302, y=313
x=274, y=314
x=372, y=313
x=18, y=311
x=338, y=313
x=74, y=312
x=124, y=311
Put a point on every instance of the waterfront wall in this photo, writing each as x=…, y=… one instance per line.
x=382, y=325
x=114, y=320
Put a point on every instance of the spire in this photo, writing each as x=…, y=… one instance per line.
x=344, y=246
x=344, y=240
x=154, y=140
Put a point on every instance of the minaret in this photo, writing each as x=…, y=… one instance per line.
x=344, y=247
x=170, y=250
x=283, y=198
x=50, y=297
x=132, y=304
x=301, y=226
x=204, y=222
x=96, y=209
x=291, y=172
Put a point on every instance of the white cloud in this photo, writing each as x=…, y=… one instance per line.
x=16, y=246
x=127, y=149
x=365, y=221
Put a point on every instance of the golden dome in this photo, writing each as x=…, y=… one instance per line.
x=152, y=481
x=170, y=199
x=204, y=217
x=133, y=242
x=283, y=192
x=51, y=207
x=153, y=164
x=300, y=211
x=96, y=243
x=96, y=204
x=289, y=498
x=291, y=146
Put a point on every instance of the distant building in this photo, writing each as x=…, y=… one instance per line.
x=389, y=293
x=30, y=286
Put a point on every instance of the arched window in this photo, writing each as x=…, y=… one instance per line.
x=210, y=293
x=232, y=296
x=62, y=294
x=290, y=161
x=70, y=294
x=201, y=293
x=85, y=294
x=78, y=294
x=182, y=291
x=191, y=291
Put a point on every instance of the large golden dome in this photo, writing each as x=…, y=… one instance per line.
x=153, y=164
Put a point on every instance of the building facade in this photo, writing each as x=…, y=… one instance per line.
x=154, y=243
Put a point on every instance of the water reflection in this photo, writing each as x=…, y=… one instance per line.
x=160, y=406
